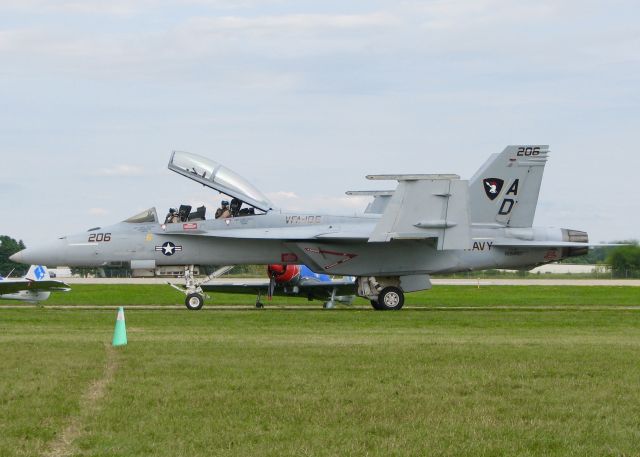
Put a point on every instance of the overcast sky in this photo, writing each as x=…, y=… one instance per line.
x=304, y=98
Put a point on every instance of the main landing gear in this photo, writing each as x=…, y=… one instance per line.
x=193, y=290
x=390, y=298
x=383, y=293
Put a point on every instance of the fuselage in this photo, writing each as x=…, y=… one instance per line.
x=327, y=244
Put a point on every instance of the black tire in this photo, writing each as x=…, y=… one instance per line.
x=375, y=304
x=194, y=302
x=259, y=305
x=390, y=298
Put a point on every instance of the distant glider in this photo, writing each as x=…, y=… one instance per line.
x=36, y=286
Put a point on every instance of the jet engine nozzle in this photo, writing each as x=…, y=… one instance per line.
x=575, y=236
x=283, y=274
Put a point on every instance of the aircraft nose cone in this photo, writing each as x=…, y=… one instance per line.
x=17, y=257
x=47, y=254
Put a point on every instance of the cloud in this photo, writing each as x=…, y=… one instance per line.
x=402, y=46
x=289, y=36
x=464, y=15
x=116, y=7
x=124, y=7
x=197, y=36
x=283, y=196
x=122, y=170
x=98, y=211
x=291, y=201
x=293, y=22
x=9, y=187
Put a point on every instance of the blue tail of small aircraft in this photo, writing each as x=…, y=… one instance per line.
x=305, y=272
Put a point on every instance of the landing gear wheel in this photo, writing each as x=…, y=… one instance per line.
x=259, y=305
x=390, y=298
x=375, y=304
x=194, y=301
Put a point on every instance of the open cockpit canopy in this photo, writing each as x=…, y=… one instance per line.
x=218, y=177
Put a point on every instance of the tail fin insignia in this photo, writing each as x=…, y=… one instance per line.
x=493, y=186
x=37, y=273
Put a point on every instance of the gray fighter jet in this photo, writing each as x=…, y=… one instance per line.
x=427, y=224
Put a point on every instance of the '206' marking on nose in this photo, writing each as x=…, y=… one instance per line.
x=99, y=238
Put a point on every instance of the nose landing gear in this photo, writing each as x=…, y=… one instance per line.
x=193, y=289
x=194, y=301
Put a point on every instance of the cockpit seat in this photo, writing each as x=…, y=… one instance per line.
x=183, y=212
x=198, y=214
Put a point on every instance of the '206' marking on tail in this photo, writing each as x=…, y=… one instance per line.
x=528, y=152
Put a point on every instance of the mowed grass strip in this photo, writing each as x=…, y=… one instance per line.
x=45, y=368
x=131, y=294
x=320, y=383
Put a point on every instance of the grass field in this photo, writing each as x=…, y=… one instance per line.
x=439, y=296
x=557, y=373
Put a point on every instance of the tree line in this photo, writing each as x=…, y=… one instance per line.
x=8, y=247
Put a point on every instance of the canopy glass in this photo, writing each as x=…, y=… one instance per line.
x=218, y=177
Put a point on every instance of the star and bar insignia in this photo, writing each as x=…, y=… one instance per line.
x=168, y=248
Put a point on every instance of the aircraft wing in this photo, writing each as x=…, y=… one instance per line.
x=9, y=287
x=280, y=233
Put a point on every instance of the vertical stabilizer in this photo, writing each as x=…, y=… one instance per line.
x=505, y=189
x=37, y=273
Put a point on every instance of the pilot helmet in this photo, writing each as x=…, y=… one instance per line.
x=225, y=203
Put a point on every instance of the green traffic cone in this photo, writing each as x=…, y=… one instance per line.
x=120, y=332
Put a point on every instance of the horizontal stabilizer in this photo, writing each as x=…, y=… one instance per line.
x=549, y=244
